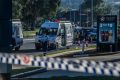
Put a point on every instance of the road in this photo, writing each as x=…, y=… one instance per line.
x=28, y=48
x=113, y=58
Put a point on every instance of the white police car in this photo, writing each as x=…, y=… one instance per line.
x=55, y=35
x=17, y=35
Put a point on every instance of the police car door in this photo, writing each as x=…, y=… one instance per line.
x=63, y=34
x=69, y=36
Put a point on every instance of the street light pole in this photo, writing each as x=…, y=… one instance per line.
x=92, y=13
x=117, y=4
x=87, y=18
x=119, y=16
x=69, y=9
x=80, y=16
x=70, y=15
x=74, y=16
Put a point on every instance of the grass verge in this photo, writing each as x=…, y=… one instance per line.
x=65, y=50
x=27, y=34
x=18, y=71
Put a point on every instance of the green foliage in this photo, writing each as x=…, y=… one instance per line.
x=40, y=8
x=99, y=7
x=102, y=9
x=16, y=8
x=30, y=10
x=87, y=3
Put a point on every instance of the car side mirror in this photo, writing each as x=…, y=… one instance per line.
x=36, y=33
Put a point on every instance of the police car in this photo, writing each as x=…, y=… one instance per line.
x=17, y=35
x=54, y=35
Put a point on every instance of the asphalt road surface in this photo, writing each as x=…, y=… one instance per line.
x=28, y=48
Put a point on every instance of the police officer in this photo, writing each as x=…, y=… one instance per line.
x=45, y=44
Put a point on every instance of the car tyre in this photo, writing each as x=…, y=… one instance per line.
x=37, y=47
x=17, y=48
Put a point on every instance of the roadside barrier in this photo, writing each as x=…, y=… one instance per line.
x=92, y=67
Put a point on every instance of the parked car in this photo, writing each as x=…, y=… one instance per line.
x=17, y=35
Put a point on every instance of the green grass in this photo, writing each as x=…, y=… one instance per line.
x=92, y=46
x=58, y=52
x=71, y=49
x=30, y=33
x=65, y=50
x=18, y=71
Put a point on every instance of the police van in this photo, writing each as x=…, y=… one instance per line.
x=17, y=35
x=54, y=35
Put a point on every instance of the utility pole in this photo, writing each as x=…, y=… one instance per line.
x=69, y=9
x=80, y=15
x=87, y=18
x=74, y=15
x=92, y=13
x=119, y=16
x=5, y=35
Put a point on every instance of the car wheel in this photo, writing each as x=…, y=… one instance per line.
x=37, y=47
x=68, y=47
x=17, y=48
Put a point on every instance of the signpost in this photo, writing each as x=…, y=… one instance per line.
x=107, y=33
x=5, y=35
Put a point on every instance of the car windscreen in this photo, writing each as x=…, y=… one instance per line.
x=48, y=31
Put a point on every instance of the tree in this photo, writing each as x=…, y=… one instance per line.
x=34, y=9
x=87, y=3
x=102, y=9
x=16, y=7
x=30, y=10
x=99, y=7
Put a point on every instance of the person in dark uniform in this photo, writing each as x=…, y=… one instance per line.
x=45, y=43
